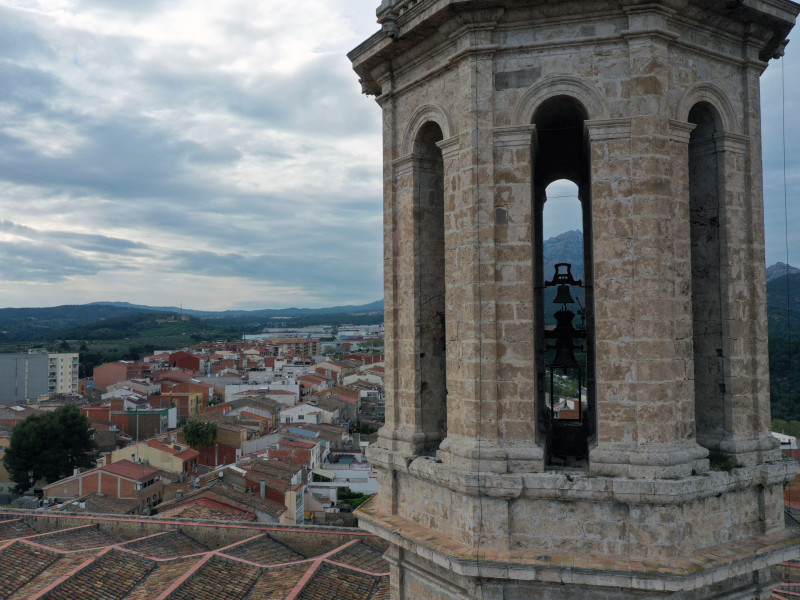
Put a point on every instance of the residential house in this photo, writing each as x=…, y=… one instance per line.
x=276, y=481
x=295, y=453
x=123, y=480
x=226, y=501
x=143, y=424
x=167, y=456
x=302, y=413
x=187, y=361
x=110, y=373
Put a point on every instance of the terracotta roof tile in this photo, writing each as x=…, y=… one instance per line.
x=218, y=579
x=14, y=528
x=105, y=505
x=335, y=582
x=146, y=567
x=62, y=567
x=362, y=556
x=277, y=583
x=207, y=509
x=79, y=538
x=166, y=545
x=130, y=470
x=109, y=577
x=159, y=579
x=20, y=564
x=265, y=551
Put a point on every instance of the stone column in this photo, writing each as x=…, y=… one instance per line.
x=641, y=283
x=746, y=354
x=402, y=430
x=514, y=276
x=473, y=438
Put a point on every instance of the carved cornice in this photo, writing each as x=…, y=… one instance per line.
x=601, y=130
x=516, y=136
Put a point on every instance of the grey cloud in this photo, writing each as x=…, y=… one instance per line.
x=326, y=274
x=137, y=7
x=27, y=89
x=214, y=156
x=19, y=37
x=27, y=261
x=130, y=168
x=309, y=100
x=73, y=240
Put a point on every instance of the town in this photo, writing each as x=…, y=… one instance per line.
x=269, y=429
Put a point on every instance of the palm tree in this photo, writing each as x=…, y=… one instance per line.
x=199, y=433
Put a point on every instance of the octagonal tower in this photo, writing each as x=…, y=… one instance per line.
x=588, y=418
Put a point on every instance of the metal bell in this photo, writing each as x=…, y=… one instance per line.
x=563, y=295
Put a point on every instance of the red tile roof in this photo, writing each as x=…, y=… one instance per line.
x=296, y=444
x=254, y=416
x=130, y=470
x=183, y=454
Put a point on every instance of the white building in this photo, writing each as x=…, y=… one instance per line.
x=62, y=376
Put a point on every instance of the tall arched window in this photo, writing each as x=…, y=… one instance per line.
x=429, y=223
x=705, y=183
x=566, y=415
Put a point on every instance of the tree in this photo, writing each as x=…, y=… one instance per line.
x=50, y=446
x=199, y=433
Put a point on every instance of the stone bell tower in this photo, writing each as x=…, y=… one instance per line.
x=591, y=419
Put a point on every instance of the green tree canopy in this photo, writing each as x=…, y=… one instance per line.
x=50, y=446
x=200, y=433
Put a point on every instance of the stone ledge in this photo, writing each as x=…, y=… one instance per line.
x=707, y=566
x=577, y=486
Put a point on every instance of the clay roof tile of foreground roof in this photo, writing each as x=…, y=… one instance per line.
x=234, y=561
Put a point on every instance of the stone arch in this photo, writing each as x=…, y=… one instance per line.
x=562, y=85
x=710, y=332
x=708, y=92
x=423, y=115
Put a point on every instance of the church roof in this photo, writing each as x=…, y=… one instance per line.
x=158, y=558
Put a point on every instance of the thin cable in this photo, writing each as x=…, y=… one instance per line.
x=786, y=211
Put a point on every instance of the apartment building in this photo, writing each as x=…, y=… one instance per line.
x=27, y=377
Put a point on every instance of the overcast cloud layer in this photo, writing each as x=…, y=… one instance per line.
x=216, y=154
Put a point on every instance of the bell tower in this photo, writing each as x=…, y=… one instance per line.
x=579, y=413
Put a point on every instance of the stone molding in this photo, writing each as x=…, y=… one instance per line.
x=733, y=142
x=580, y=486
x=517, y=136
x=450, y=147
x=602, y=130
x=689, y=575
x=425, y=114
x=405, y=164
x=561, y=85
x=680, y=132
x=708, y=92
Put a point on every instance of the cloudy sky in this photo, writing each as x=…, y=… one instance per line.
x=215, y=153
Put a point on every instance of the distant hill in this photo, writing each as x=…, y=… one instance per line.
x=111, y=320
x=780, y=269
x=376, y=306
x=783, y=306
x=783, y=312
x=566, y=247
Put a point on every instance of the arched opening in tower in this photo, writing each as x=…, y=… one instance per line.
x=706, y=173
x=429, y=223
x=566, y=415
